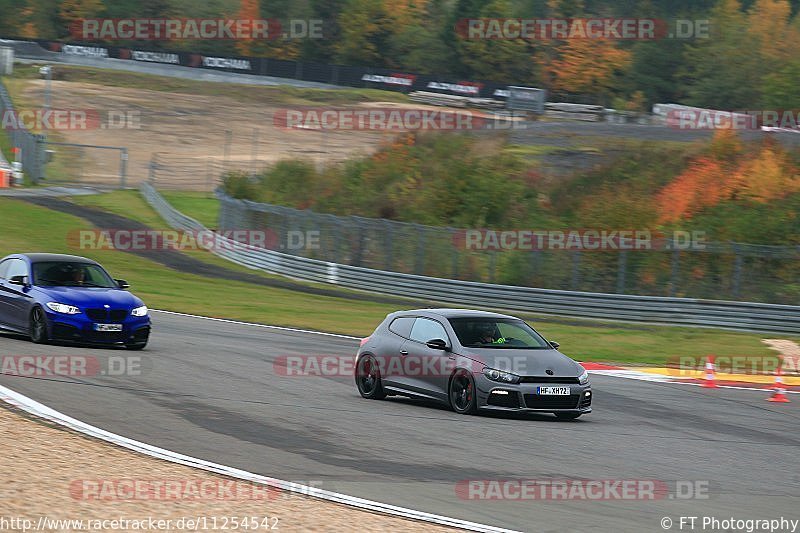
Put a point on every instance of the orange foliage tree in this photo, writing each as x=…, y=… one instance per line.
x=587, y=66
x=728, y=175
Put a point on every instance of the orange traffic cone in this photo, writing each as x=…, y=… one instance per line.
x=779, y=393
x=709, y=382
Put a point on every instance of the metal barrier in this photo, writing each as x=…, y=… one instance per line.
x=671, y=268
x=744, y=316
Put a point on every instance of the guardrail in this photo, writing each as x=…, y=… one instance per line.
x=743, y=316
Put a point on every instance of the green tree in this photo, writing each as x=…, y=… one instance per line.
x=780, y=88
x=366, y=30
x=720, y=71
x=498, y=59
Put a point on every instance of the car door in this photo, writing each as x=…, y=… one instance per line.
x=391, y=348
x=426, y=370
x=3, y=304
x=14, y=299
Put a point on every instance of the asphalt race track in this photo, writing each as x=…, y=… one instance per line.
x=209, y=389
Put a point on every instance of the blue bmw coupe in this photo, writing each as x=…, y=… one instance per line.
x=56, y=297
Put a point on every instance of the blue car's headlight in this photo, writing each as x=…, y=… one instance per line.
x=583, y=379
x=139, y=311
x=63, y=308
x=500, y=376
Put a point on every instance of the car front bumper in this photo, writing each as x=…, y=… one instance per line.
x=80, y=328
x=492, y=395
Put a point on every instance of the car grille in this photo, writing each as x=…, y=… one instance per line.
x=114, y=315
x=537, y=401
x=97, y=314
x=548, y=379
x=117, y=315
x=510, y=400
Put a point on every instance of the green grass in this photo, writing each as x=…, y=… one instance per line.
x=252, y=94
x=32, y=228
x=200, y=206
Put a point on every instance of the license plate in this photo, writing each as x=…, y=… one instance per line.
x=108, y=327
x=553, y=391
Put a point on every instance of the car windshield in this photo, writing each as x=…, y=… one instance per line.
x=497, y=333
x=70, y=274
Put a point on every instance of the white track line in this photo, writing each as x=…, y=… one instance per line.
x=254, y=324
x=32, y=406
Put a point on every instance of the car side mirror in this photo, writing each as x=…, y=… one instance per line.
x=122, y=284
x=554, y=344
x=19, y=280
x=437, y=344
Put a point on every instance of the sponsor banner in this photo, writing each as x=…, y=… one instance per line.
x=461, y=88
x=169, y=58
x=80, y=50
x=402, y=80
x=348, y=76
x=226, y=63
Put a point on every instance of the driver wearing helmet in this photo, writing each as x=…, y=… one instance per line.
x=486, y=333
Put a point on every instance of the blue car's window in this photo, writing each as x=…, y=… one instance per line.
x=497, y=333
x=4, y=268
x=65, y=274
x=16, y=267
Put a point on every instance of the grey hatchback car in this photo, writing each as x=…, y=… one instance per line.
x=470, y=360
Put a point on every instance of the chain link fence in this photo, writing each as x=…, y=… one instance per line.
x=31, y=146
x=735, y=271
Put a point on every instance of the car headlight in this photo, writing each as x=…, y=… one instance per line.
x=63, y=308
x=583, y=379
x=500, y=376
x=140, y=311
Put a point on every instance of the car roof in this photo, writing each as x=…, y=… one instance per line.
x=451, y=313
x=64, y=258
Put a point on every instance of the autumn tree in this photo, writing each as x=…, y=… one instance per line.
x=588, y=66
x=74, y=11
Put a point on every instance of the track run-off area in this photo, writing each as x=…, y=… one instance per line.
x=216, y=390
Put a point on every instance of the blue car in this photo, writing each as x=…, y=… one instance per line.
x=56, y=297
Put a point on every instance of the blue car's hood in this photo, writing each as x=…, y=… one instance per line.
x=89, y=297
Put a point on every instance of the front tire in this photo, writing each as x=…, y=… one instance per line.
x=368, y=379
x=462, y=394
x=38, y=326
